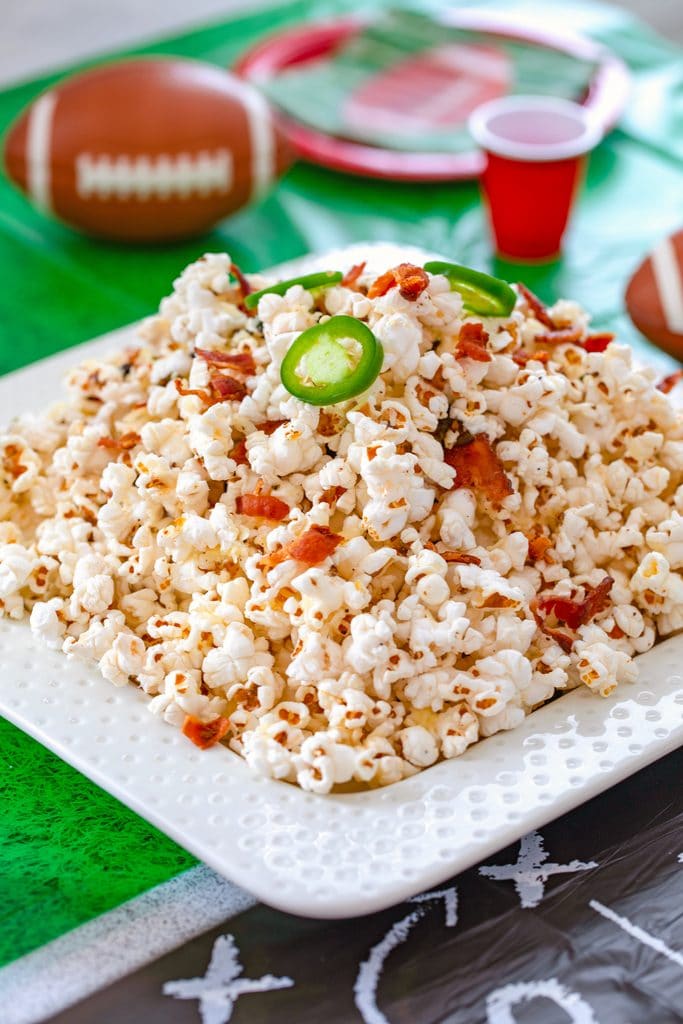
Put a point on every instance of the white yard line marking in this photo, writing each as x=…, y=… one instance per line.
x=219, y=989
x=531, y=872
x=119, y=942
x=370, y=971
x=637, y=932
x=38, y=142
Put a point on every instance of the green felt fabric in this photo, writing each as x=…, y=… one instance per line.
x=67, y=851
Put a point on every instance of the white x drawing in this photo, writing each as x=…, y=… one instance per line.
x=221, y=986
x=531, y=870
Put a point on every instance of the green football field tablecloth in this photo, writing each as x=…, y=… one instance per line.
x=68, y=851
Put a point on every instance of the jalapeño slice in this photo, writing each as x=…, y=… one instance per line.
x=481, y=293
x=308, y=281
x=332, y=362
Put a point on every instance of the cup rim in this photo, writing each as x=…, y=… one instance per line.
x=534, y=152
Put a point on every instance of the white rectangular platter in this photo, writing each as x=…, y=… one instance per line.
x=339, y=855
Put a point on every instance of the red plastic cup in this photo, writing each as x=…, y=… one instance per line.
x=535, y=148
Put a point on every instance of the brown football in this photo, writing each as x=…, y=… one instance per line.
x=654, y=296
x=145, y=150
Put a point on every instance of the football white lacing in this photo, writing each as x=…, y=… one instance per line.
x=159, y=177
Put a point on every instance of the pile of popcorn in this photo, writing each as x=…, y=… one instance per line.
x=346, y=595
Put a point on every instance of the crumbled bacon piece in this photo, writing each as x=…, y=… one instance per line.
x=239, y=453
x=224, y=387
x=311, y=548
x=577, y=613
x=472, y=343
x=538, y=545
x=560, y=336
x=240, y=362
x=221, y=389
x=315, y=545
x=411, y=282
x=522, y=357
x=205, y=734
x=461, y=557
x=565, y=641
x=669, y=383
x=262, y=506
x=477, y=466
x=244, y=286
x=598, y=342
x=270, y=426
x=183, y=391
x=332, y=494
x=381, y=284
x=350, y=278
x=574, y=336
x=120, y=444
x=536, y=307
x=597, y=598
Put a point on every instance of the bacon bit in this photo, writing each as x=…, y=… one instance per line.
x=669, y=383
x=538, y=545
x=477, y=466
x=578, y=613
x=566, y=642
x=315, y=545
x=350, y=278
x=411, y=282
x=262, y=506
x=573, y=336
x=183, y=391
x=332, y=494
x=270, y=426
x=224, y=387
x=381, y=285
x=245, y=287
x=538, y=308
x=221, y=389
x=311, y=548
x=239, y=453
x=460, y=556
x=240, y=362
x=560, y=336
x=597, y=598
x=120, y=444
x=598, y=342
x=205, y=734
x=522, y=357
x=472, y=343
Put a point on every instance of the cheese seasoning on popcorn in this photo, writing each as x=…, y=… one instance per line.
x=348, y=526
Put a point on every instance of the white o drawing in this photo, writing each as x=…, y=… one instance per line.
x=499, y=1003
x=636, y=932
x=370, y=971
x=220, y=988
x=531, y=870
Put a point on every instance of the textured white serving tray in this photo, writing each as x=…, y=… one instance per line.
x=334, y=856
